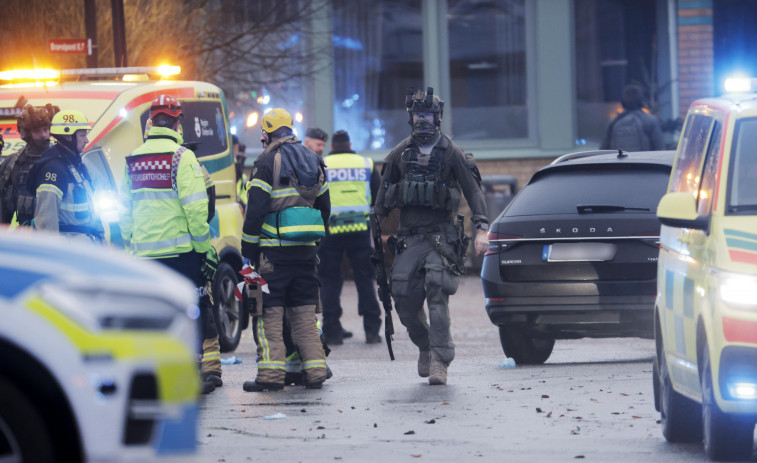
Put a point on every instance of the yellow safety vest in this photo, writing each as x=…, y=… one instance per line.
x=349, y=177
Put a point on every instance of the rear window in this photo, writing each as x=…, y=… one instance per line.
x=560, y=191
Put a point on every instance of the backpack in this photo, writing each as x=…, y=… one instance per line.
x=627, y=133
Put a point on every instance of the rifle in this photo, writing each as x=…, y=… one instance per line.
x=384, y=287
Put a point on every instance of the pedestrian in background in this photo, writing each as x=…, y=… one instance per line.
x=166, y=216
x=633, y=129
x=353, y=185
x=423, y=176
x=316, y=139
x=287, y=209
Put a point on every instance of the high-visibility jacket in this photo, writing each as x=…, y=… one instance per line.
x=349, y=177
x=163, y=192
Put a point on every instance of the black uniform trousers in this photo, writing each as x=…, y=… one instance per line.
x=358, y=248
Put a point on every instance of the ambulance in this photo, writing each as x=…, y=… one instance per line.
x=705, y=370
x=116, y=102
x=97, y=360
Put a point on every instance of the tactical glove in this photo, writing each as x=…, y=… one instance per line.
x=209, y=264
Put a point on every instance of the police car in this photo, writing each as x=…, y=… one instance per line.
x=116, y=101
x=97, y=354
x=705, y=370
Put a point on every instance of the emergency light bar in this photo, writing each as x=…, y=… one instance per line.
x=740, y=85
x=54, y=74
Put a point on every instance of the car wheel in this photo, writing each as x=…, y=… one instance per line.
x=24, y=436
x=524, y=349
x=681, y=417
x=226, y=309
x=725, y=437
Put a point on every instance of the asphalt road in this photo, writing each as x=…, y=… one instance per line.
x=592, y=401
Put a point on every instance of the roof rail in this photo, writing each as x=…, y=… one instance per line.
x=110, y=72
x=586, y=154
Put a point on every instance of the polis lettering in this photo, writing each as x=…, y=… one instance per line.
x=348, y=175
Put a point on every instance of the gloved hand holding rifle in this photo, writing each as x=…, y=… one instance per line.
x=384, y=287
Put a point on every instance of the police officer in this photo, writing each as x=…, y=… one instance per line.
x=287, y=209
x=34, y=127
x=423, y=177
x=59, y=185
x=353, y=184
x=166, y=217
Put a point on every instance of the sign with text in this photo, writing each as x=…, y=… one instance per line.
x=70, y=46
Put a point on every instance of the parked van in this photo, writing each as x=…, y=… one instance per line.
x=116, y=101
x=705, y=370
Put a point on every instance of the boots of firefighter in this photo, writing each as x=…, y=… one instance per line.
x=271, y=352
x=423, y=363
x=437, y=370
x=210, y=369
x=306, y=338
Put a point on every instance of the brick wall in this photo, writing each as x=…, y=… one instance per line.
x=695, y=52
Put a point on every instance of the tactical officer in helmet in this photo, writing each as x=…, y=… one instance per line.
x=423, y=177
x=287, y=209
x=34, y=127
x=59, y=185
x=166, y=219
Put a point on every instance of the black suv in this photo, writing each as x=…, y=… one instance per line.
x=575, y=253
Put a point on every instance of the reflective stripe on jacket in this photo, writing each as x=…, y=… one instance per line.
x=163, y=192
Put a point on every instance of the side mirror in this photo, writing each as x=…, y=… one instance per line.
x=680, y=210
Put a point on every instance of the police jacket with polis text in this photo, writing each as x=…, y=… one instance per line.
x=268, y=192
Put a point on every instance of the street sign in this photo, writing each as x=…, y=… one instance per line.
x=70, y=46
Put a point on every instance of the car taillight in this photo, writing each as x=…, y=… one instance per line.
x=499, y=242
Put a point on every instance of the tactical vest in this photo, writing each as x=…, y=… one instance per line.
x=15, y=171
x=349, y=177
x=291, y=219
x=425, y=180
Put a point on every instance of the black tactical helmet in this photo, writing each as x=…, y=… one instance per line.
x=418, y=101
x=34, y=118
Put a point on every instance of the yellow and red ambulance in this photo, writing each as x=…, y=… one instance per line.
x=116, y=102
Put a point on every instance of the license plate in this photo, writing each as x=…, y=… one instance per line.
x=578, y=252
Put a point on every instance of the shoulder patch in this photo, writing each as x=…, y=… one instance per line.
x=198, y=171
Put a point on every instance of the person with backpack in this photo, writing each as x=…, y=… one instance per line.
x=633, y=129
x=288, y=208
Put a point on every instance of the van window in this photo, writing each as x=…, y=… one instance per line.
x=742, y=191
x=704, y=200
x=203, y=124
x=691, y=152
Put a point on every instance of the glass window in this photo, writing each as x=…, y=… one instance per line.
x=487, y=50
x=615, y=46
x=203, y=127
x=710, y=172
x=378, y=53
x=558, y=191
x=742, y=191
x=690, y=155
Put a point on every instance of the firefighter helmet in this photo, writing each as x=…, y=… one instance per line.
x=275, y=119
x=165, y=104
x=32, y=118
x=68, y=122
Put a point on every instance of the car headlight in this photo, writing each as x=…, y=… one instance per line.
x=738, y=290
x=109, y=310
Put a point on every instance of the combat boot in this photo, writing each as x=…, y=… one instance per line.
x=423, y=363
x=437, y=371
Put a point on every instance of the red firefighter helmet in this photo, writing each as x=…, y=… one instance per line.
x=165, y=104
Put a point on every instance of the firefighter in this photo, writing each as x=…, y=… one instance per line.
x=34, y=127
x=287, y=209
x=166, y=217
x=59, y=188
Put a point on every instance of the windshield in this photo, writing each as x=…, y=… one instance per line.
x=742, y=187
